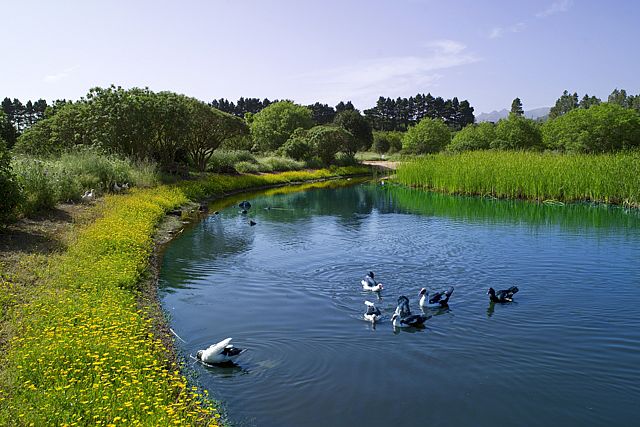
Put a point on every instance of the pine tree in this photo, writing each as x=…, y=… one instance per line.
x=516, y=107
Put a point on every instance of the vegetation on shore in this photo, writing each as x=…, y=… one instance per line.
x=82, y=351
x=608, y=178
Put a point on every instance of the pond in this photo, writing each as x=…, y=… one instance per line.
x=565, y=352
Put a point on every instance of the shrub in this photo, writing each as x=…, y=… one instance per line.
x=517, y=133
x=601, y=128
x=272, y=126
x=428, y=136
x=9, y=189
x=279, y=164
x=327, y=141
x=387, y=141
x=224, y=161
x=359, y=127
x=297, y=146
x=473, y=137
x=247, y=167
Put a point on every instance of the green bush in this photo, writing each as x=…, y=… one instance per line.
x=10, y=194
x=297, y=146
x=387, y=141
x=473, y=137
x=247, y=167
x=517, y=133
x=327, y=140
x=280, y=164
x=601, y=128
x=428, y=136
x=272, y=126
x=224, y=161
x=359, y=127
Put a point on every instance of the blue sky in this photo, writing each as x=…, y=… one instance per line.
x=488, y=52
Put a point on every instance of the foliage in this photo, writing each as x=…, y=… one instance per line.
x=517, y=133
x=272, y=126
x=9, y=189
x=609, y=178
x=322, y=114
x=224, y=161
x=298, y=146
x=473, y=137
x=7, y=132
x=564, y=104
x=279, y=164
x=428, y=136
x=601, y=128
x=208, y=128
x=50, y=180
x=328, y=140
x=358, y=127
x=516, y=107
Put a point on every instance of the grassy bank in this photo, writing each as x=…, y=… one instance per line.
x=608, y=178
x=81, y=351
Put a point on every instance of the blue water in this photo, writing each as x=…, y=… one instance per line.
x=565, y=352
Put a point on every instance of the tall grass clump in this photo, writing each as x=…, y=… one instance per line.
x=224, y=161
x=608, y=178
x=49, y=180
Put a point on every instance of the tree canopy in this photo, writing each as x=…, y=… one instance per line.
x=428, y=136
x=478, y=136
x=516, y=107
x=359, y=127
x=517, y=133
x=272, y=126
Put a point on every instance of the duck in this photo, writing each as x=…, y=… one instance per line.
x=244, y=205
x=252, y=223
x=505, y=295
x=402, y=318
x=116, y=188
x=88, y=195
x=373, y=313
x=221, y=352
x=369, y=283
x=439, y=299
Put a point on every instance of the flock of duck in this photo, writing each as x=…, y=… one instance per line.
x=224, y=351
x=403, y=318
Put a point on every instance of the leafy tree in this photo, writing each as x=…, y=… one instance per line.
x=344, y=107
x=272, y=126
x=327, y=141
x=564, y=104
x=9, y=188
x=428, y=136
x=359, y=127
x=298, y=146
x=381, y=142
x=619, y=97
x=601, y=128
x=516, y=107
x=517, y=133
x=474, y=137
x=208, y=129
x=7, y=132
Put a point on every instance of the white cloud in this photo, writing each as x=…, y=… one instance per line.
x=500, y=31
x=556, y=7
x=59, y=76
x=365, y=80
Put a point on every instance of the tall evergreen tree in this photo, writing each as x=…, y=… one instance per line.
x=619, y=97
x=516, y=107
x=564, y=104
x=588, y=101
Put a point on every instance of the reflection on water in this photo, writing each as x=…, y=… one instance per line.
x=288, y=289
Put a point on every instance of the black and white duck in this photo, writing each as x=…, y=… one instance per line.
x=373, y=313
x=369, y=283
x=505, y=295
x=402, y=318
x=437, y=300
x=221, y=352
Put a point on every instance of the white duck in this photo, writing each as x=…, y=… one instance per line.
x=437, y=300
x=369, y=283
x=373, y=312
x=221, y=352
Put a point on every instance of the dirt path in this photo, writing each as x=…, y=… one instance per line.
x=384, y=164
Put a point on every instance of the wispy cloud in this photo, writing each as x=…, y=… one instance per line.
x=365, y=80
x=50, y=78
x=555, y=7
x=497, y=32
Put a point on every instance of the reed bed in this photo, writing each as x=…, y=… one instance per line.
x=603, y=178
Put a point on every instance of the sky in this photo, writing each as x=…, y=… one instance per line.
x=487, y=52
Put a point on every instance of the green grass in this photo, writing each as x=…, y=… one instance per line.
x=607, y=178
x=82, y=351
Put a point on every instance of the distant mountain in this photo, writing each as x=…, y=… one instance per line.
x=494, y=116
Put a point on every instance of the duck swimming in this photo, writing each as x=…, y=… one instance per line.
x=437, y=300
x=505, y=295
x=221, y=352
x=373, y=313
x=369, y=283
x=402, y=318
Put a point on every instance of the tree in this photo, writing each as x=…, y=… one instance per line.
x=359, y=127
x=327, y=140
x=517, y=133
x=298, y=146
x=587, y=101
x=7, y=132
x=321, y=113
x=344, y=107
x=208, y=129
x=619, y=97
x=428, y=136
x=516, y=107
x=601, y=128
x=564, y=104
x=272, y=126
x=473, y=137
